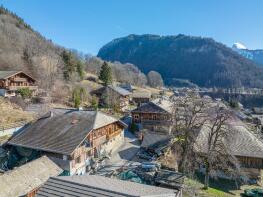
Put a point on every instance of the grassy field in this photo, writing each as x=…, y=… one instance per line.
x=218, y=188
x=11, y=113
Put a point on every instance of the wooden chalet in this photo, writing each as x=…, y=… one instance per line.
x=11, y=81
x=112, y=94
x=26, y=179
x=71, y=138
x=154, y=115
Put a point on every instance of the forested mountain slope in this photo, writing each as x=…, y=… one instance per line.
x=203, y=61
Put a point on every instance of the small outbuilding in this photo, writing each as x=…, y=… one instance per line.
x=26, y=179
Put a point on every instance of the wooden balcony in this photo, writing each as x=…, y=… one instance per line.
x=19, y=87
x=20, y=79
x=156, y=122
x=116, y=133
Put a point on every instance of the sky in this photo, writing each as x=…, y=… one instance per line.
x=86, y=25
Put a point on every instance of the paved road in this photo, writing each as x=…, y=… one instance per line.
x=123, y=156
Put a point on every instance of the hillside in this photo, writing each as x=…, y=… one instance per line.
x=23, y=48
x=124, y=73
x=203, y=61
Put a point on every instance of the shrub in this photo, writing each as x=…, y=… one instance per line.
x=25, y=92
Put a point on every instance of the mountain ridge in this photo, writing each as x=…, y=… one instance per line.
x=255, y=55
x=203, y=61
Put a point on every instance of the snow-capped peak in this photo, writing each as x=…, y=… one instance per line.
x=238, y=45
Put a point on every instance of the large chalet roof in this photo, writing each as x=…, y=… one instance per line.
x=92, y=185
x=61, y=131
x=241, y=142
x=20, y=181
x=155, y=106
x=6, y=74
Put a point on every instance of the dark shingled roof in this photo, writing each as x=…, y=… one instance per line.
x=62, y=131
x=156, y=106
x=97, y=186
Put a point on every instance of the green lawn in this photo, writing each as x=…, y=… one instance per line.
x=218, y=188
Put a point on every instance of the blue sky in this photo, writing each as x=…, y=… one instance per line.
x=87, y=25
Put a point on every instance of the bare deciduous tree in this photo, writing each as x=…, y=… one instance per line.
x=216, y=156
x=189, y=115
x=154, y=79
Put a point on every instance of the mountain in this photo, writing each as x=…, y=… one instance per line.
x=203, y=61
x=238, y=46
x=254, y=55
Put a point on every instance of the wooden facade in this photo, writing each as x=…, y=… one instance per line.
x=14, y=81
x=149, y=117
x=90, y=148
x=102, y=135
x=250, y=162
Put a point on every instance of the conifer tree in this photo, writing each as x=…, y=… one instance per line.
x=105, y=74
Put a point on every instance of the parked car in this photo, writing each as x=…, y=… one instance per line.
x=152, y=166
x=145, y=155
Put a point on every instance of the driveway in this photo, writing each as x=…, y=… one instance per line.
x=123, y=156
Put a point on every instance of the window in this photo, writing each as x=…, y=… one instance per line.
x=136, y=117
x=78, y=159
x=65, y=157
x=88, y=154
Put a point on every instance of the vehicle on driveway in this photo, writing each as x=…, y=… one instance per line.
x=146, y=155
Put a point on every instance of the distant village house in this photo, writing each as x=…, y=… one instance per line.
x=12, y=81
x=114, y=97
x=155, y=115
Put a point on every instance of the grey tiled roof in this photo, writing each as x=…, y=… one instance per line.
x=62, y=132
x=91, y=185
x=240, y=142
x=28, y=177
x=120, y=90
x=5, y=74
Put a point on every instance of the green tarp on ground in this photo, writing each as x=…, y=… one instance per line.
x=130, y=176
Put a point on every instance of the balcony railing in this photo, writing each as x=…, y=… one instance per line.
x=19, y=79
x=116, y=133
x=19, y=87
x=143, y=121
